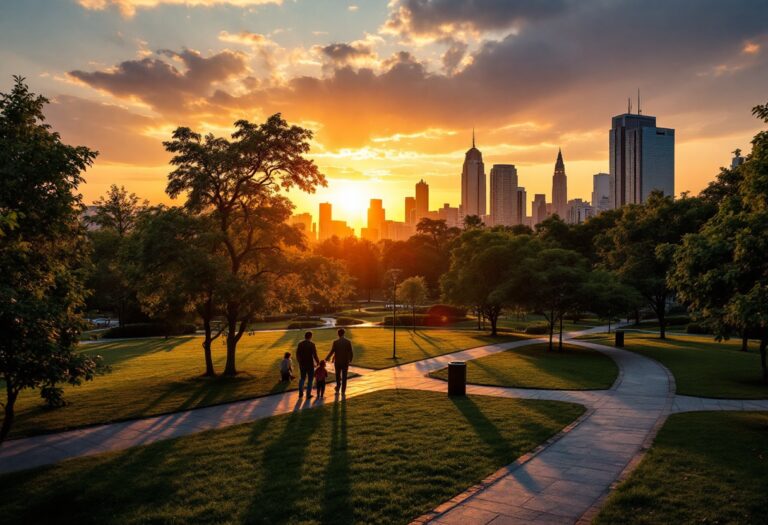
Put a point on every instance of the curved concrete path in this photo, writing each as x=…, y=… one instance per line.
x=564, y=481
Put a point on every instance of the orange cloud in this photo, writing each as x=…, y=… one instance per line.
x=128, y=7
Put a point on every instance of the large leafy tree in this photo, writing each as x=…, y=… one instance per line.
x=43, y=250
x=722, y=270
x=552, y=282
x=640, y=246
x=236, y=182
x=114, y=218
x=483, y=271
x=362, y=259
x=176, y=270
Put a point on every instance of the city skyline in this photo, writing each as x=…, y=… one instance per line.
x=391, y=90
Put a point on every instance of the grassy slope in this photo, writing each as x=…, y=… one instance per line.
x=385, y=457
x=534, y=367
x=155, y=376
x=701, y=366
x=704, y=467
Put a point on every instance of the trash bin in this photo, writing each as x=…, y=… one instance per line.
x=457, y=378
x=619, y=338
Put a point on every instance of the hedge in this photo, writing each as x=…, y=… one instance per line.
x=305, y=324
x=148, y=330
x=404, y=319
x=347, y=321
x=537, y=329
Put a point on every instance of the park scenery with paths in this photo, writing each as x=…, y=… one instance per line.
x=592, y=433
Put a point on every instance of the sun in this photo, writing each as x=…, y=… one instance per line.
x=350, y=198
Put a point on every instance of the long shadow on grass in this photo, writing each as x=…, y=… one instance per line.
x=484, y=428
x=337, y=508
x=282, y=487
x=118, y=352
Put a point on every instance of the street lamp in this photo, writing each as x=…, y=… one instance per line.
x=394, y=273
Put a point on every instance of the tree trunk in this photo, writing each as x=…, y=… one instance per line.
x=637, y=316
x=9, y=414
x=560, y=340
x=551, y=329
x=479, y=326
x=744, y=341
x=494, y=319
x=207, y=343
x=229, y=367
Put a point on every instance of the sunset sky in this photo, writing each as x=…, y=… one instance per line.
x=393, y=89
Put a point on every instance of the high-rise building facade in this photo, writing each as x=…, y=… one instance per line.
x=325, y=228
x=520, y=206
x=601, y=192
x=642, y=158
x=473, y=182
x=449, y=214
x=503, y=194
x=410, y=210
x=376, y=217
x=422, y=200
x=578, y=211
x=538, y=208
x=560, y=187
x=303, y=221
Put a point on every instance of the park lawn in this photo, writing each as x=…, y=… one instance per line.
x=533, y=366
x=701, y=366
x=704, y=467
x=384, y=457
x=156, y=376
x=511, y=323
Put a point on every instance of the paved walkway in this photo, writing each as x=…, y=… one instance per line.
x=563, y=482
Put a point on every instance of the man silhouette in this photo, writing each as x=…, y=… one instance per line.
x=341, y=354
x=306, y=355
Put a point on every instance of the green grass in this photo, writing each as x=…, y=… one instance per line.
x=156, y=376
x=385, y=457
x=704, y=467
x=534, y=366
x=701, y=366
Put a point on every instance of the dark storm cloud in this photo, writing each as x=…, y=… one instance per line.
x=160, y=83
x=342, y=52
x=424, y=17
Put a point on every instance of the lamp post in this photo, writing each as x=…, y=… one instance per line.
x=395, y=274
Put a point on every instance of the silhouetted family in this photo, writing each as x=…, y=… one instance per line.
x=312, y=368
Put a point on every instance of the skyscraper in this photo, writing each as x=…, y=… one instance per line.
x=642, y=158
x=410, y=210
x=560, y=187
x=325, y=227
x=601, y=191
x=376, y=217
x=520, y=206
x=422, y=200
x=503, y=188
x=538, y=208
x=473, y=182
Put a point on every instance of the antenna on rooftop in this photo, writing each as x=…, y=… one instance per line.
x=639, y=111
x=473, y=136
x=629, y=105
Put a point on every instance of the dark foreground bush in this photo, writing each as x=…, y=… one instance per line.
x=537, y=329
x=148, y=330
x=347, y=321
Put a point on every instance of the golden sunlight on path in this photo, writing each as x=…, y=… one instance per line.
x=564, y=481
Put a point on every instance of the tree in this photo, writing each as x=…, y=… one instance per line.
x=176, y=270
x=605, y=295
x=362, y=259
x=483, y=265
x=472, y=222
x=554, y=280
x=413, y=292
x=722, y=270
x=236, y=183
x=42, y=255
x=115, y=216
x=117, y=211
x=640, y=246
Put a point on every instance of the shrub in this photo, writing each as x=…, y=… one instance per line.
x=537, y=329
x=305, y=324
x=148, y=330
x=446, y=310
x=347, y=321
x=698, y=329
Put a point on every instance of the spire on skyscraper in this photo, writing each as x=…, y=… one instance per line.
x=473, y=137
x=559, y=164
